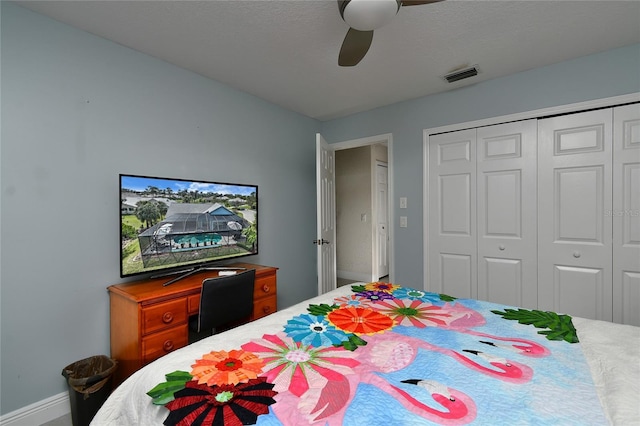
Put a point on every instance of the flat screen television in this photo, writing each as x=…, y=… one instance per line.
x=176, y=226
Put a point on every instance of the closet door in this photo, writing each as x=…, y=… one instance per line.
x=452, y=214
x=626, y=214
x=507, y=226
x=574, y=195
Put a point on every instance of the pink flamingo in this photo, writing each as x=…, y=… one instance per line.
x=461, y=319
x=390, y=352
x=459, y=408
x=526, y=347
x=503, y=369
x=326, y=406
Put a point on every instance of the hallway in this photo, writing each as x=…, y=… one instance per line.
x=344, y=281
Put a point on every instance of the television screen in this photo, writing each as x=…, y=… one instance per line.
x=170, y=224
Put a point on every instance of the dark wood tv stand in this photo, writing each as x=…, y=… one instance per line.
x=149, y=320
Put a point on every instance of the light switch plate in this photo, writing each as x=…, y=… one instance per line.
x=403, y=221
x=403, y=202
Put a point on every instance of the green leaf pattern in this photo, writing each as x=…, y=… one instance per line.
x=446, y=298
x=558, y=327
x=163, y=392
x=322, y=309
x=351, y=344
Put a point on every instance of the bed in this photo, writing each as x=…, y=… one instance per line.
x=382, y=354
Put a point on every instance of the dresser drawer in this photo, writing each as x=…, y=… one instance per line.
x=159, y=316
x=160, y=344
x=264, y=287
x=264, y=307
x=193, y=303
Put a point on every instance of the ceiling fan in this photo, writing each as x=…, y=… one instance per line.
x=364, y=16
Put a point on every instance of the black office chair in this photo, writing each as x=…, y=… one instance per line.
x=223, y=300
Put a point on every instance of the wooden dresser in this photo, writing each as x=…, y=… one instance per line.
x=149, y=320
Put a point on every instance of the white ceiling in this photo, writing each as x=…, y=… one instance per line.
x=286, y=51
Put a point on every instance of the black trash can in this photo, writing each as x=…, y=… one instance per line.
x=89, y=383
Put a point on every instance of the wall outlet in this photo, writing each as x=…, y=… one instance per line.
x=403, y=221
x=403, y=202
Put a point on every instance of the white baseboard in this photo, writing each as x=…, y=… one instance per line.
x=39, y=412
x=356, y=276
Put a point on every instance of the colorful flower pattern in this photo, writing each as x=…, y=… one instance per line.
x=222, y=367
x=314, y=330
x=413, y=312
x=415, y=294
x=381, y=286
x=292, y=366
x=228, y=405
x=375, y=295
x=353, y=300
x=360, y=320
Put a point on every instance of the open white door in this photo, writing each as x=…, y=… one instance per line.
x=382, y=229
x=326, y=215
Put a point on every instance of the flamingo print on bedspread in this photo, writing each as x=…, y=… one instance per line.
x=388, y=352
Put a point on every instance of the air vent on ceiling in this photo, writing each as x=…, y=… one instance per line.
x=462, y=74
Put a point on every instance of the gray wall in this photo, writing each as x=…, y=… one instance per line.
x=611, y=73
x=76, y=111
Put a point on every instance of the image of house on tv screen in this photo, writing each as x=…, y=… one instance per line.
x=180, y=225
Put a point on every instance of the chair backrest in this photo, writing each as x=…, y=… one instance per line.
x=226, y=299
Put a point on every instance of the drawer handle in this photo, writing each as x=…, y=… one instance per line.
x=577, y=254
x=167, y=317
x=501, y=247
x=266, y=309
x=168, y=345
x=266, y=288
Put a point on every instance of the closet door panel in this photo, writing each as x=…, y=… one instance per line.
x=504, y=278
x=452, y=214
x=456, y=274
x=455, y=211
x=574, y=194
x=626, y=214
x=507, y=253
x=578, y=291
x=579, y=205
x=628, y=298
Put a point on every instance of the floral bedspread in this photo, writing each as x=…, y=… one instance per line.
x=391, y=355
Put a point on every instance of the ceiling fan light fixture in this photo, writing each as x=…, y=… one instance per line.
x=368, y=15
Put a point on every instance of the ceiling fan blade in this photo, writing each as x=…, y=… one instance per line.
x=418, y=2
x=355, y=45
